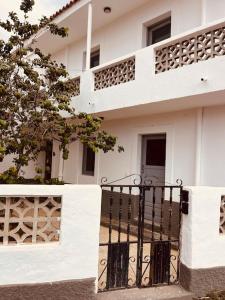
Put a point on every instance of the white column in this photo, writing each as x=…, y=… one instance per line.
x=199, y=122
x=89, y=34
x=61, y=165
x=203, y=12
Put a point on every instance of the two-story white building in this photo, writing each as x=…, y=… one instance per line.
x=154, y=70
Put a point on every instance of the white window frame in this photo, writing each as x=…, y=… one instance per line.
x=153, y=27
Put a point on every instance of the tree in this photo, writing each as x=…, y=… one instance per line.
x=35, y=95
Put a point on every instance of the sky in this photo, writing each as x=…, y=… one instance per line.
x=42, y=7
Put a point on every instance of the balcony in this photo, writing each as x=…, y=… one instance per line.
x=199, y=46
x=121, y=72
x=178, y=73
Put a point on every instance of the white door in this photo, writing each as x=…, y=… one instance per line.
x=153, y=170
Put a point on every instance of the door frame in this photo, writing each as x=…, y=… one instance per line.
x=144, y=149
x=136, y=155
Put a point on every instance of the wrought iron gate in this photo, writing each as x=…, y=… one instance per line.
x=136, y=251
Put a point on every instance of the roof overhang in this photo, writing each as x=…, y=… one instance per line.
x=74, y=16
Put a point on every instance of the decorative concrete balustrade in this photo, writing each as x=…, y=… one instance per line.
x=115, y=74
x=197, y=47
x=222, y=215
x=76, y=82
x=29, y=220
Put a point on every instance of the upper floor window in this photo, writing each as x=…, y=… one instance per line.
x=95, y=58
x=159, y=32
x=88, y=166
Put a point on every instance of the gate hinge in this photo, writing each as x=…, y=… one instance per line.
x=184, y=202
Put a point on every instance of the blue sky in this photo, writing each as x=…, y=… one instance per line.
x=42, y=7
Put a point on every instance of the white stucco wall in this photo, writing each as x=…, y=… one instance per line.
x=181, y=129
x=29, y=171
x=180, y=160
x=75, y=256
x=213, y=146
x=180, y=155
x=214, y=9
x=182, y=139
x=202, y=244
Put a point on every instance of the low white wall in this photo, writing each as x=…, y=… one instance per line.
x=75, y=256
x=202, y=244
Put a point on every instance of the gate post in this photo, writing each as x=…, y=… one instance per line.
x=202, y=267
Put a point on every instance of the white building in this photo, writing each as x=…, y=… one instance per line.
x=156, y=76
x=170, y=100
x=154, y=69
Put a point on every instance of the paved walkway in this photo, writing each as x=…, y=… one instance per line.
x=174, y=292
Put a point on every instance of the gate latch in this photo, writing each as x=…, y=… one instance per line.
x=184, y=202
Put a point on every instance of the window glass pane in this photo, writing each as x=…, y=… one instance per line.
x=48, y=160
x=156, y=152
x=95, y=59
x=161, y=33
x=88, y=161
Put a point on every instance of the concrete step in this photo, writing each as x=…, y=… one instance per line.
x=173, y=292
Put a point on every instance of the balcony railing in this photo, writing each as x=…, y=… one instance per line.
x=135, y=77
x=76, y=82
x=199, y=46
x=121, y=72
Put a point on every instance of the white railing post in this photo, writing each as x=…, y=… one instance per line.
x=203, y=16
x=61, y=165
x=89, y=36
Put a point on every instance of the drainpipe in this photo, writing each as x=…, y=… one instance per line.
x=89, y=35
x=199, y=130
x=203, y=12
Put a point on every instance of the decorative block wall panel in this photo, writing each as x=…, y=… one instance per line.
x=77, y=86
x=29, y=220
x=199, y=47
x=222, y=215
x=119, y=73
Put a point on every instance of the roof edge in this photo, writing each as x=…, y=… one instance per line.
x=63, y=9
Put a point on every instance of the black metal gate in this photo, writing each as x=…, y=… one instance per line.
x=136, y=251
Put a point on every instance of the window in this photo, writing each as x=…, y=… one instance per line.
x=159, y=32
x=95, y=58
x=48, y=160
x=88, y=166
x=156, y=152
